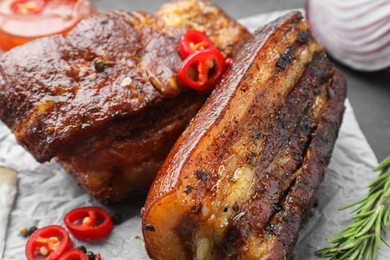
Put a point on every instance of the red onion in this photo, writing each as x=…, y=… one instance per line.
x=354, y=32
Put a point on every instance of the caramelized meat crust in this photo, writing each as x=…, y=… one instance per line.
x=105, y=99
x=53, y=96
x=245, y=173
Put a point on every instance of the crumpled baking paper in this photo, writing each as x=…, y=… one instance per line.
x=8, y=181
x=46, y=193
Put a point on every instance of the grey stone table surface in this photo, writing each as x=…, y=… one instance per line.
x=369, y=93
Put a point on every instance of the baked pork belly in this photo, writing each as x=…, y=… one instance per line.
x=105, y=100
x=242, y=178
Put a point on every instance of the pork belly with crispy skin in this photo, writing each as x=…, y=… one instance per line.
x=105, y=100
x=243, y=176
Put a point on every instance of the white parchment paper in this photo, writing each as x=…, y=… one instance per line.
x=8, y=187
x=46, y=193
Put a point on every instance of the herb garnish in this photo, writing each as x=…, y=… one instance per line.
x=372, y=216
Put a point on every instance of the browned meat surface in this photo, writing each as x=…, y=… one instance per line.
x=52, y=96
x=101, y=91
x=243, y=176
x=204, y=16
x=126, y=157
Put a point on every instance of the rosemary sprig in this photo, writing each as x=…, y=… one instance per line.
x=361, y=239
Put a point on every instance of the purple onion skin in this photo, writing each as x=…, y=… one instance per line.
x=354, y=32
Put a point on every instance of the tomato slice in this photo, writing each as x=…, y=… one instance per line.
x=202, y=69
x=192, y=41
x=26, y=7
x=48, y=243
x=74, y=254
x=89, y=223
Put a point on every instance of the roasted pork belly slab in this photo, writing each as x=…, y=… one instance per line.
x=105, y=99
x=242, y=178
x=52, y=96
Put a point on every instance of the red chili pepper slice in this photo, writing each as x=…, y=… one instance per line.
x=25, y=7
x=202, y=69
x=74, y=254
x=89, y=223
x=48, y=243
x=229, y=62
x=192, y=41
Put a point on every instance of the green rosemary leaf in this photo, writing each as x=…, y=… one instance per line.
x=325, y=252
x=347, y=232
x=341, y=237
x=370, y=223
x=370, y=203
x=386, y=188
x=379, y=185
x=378, y=181
x=378, y=227
x=346, y=255
x=363, y=215
x=385, y=242
x=356, y=253
x=363, y=249
x=383, y=165
x=352, y=204
x=371, y=216
x=386, y=217
x=322, y=251
x=352, y=242
x=357, y=224
x=373, y=249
